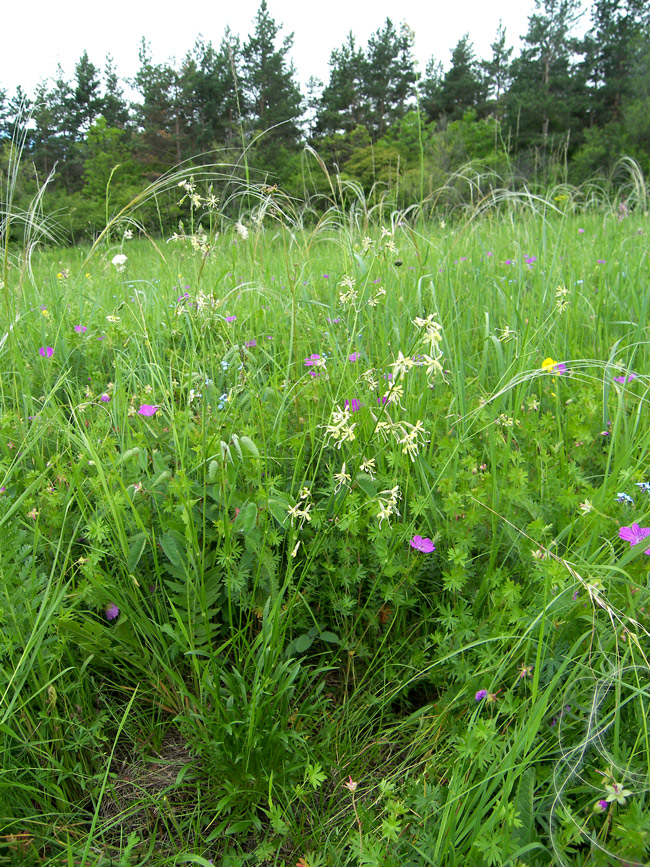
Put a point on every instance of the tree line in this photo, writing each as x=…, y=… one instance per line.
x=564, y=107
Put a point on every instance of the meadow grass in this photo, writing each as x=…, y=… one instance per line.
x=225, y=461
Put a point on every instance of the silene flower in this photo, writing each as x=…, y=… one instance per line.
x=46, y=351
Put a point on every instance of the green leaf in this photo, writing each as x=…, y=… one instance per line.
x=170, y=546
x=137, y=544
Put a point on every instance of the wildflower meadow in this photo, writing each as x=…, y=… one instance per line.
x=324, y=532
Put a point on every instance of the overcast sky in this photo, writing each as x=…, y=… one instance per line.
x=39, y=35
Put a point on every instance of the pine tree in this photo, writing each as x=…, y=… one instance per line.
x=431, y=89
x=341, y=105
x=615, y=45
x=114, y=107
x=271, y=92
x=547, y=95
x=462, y=87
x=86, y=98
x=497, y=71
x=158, y=113
x=388, y=77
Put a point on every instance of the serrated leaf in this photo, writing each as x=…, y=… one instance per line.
x=250, y=446
x=137, y=544
x=330, y=637
x=170, y=546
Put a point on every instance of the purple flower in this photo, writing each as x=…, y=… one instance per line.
x=46, y=351
x=314, y=358
x=230, y=318
x=148, y=409
x=581, y=231
x=250, y=343
x=624, y=379
x=353, y=357
x=600, y=261
x=105, y=398
x=353, y=405
x=326, y=276
x=426, y=546
x=111, y=611
x=601, y=806
x=634, y=535
x=80, y=329
x=481, y=694
x=530, y=259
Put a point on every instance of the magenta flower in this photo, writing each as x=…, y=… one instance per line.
x=426, y=546
x=581, y=231
x=80, y=329
x=148, y=409
x=250, y=343
x=46, y=351
x=314, y=358
x=353, y=405
x=353, y=357
x=481, y=694
x=634, y=535
x=230, y=318
x=111, y=611
x=601, y=806
x=624, y=379
x=105, y=398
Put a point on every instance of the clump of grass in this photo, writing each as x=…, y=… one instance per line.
x=311, y=538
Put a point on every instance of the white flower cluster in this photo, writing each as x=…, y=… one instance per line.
x=349, y=295
x=431, y=341
x=410, y=436
x=339, y=429
x=387, y=502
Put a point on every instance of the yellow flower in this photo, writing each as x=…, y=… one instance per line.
x=548, y=364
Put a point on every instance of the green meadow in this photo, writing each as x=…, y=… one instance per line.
x=322, y=533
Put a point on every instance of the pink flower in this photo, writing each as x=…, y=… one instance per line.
x=634, y=535
x=313, y=359
x=353, y=357
x=426, y=546
x=353, y=405
x=105, y=398
x=148, y=409
x=250, y=343
x=46, y=351
x=80, y=329
x=624, y=379
x=230, y=318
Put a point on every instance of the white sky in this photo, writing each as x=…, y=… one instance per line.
x=41, y=34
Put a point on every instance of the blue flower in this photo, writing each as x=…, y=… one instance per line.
x=624, y=498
